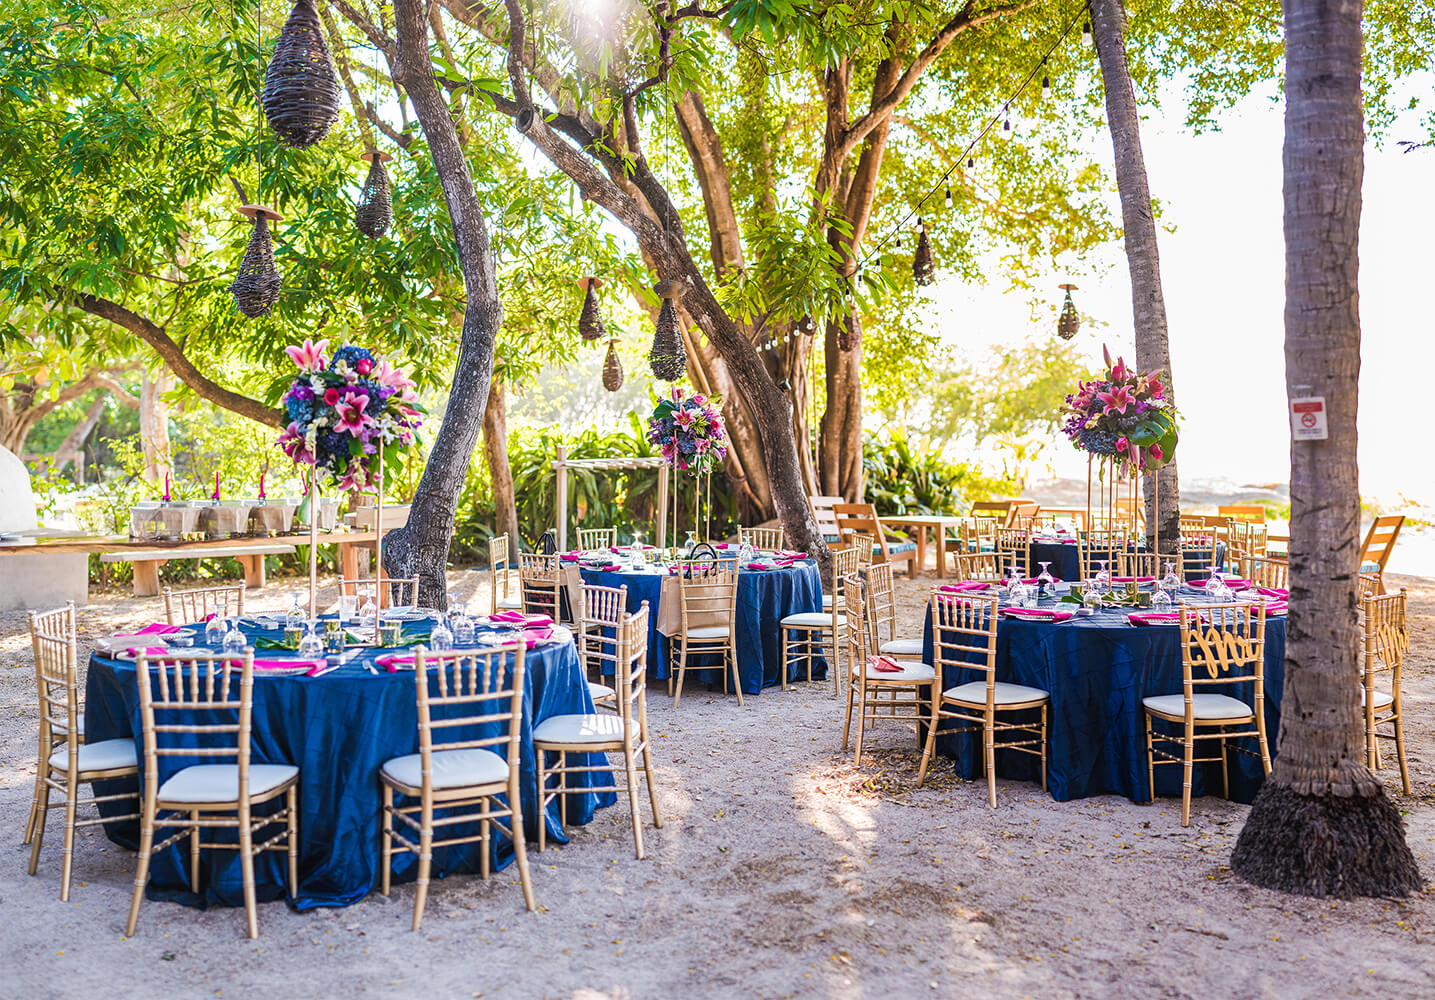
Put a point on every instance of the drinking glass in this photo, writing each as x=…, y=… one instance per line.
x=462, y=630
x=1103, y=578
x=1161, y=600
x=1171, y=580
x=690, y=543
x=389, y=631
x=441, y=638
x=214, y=630
x=294, y=618
x=233, y=639
x=1046, y=581
x=1091, y=599
x=347, y=605
x=311, y=645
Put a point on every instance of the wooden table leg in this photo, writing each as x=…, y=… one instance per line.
x=921, y=550
x=941, y=552
x=348, y=561
x=253, y=571
x=147, y=577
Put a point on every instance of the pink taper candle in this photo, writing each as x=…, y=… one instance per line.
x=166, y=486
x=261, y=484
x=216, y=484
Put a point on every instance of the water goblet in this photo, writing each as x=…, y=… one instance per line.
x=347, y=605
x=1103, y=577
x=1161, y=599
x=462, y=630
x=1046, y=581
x=1171, y=580
x=233, y=641
x=214, y=630
x=1091, y=599
x=441, y=638
x=294, y=617
x=389, y=632
x=310, y=644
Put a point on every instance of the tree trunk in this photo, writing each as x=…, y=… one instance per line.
x=1148, y=305
x=1321, y=824
x=72, y=449
x=500, y=473
x=421, y=547
x=154, y=425
x=842, y=417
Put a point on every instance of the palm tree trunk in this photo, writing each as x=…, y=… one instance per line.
x=1148, y=304
x=1321, y=824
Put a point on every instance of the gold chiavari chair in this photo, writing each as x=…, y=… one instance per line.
x=595, y=539
x=184, y=607
x=504, y=588
x=762, y=539
x=1109, y=545
x=1238, y=540
x=471, y=692
x=1013, y=545
x=1369, y=585
x=893, y=695
x=864, y=543
x=393, y=592
x=1385, y=643
x=808, y=635
x=194, y=697
x=964, y=635
x=708, y=592
x=1198, y=541
x=1266, y=571
x=604, y=610
x=625, y=733
x=1139, y=564
x=539, y=584
x=1221, y=645
x=986, y=566
x=1258, y=538
x=65, y=761
x=884, y=624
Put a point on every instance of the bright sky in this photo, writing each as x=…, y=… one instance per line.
x=1222, y=271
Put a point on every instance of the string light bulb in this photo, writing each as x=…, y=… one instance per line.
x=949, y=197
x=1006, y=128
x=1046, y=88
x=1086, y=33
x=971, y=163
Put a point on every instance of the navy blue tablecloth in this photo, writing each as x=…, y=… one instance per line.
x=1065, y=560
x=339, y=729
x=1097, y=670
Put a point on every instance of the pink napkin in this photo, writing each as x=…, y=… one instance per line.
x=610, y=568
x=1038, y=614
x=158, y=628
x=519, y=618
x=1154, y=618
x=884, y=664
x=314, y=665
x=393, y=661
x=964, y=586
x=1276, y=608
x=758, y=565
x=146, y=650
x=1133, y=579
x=785, y=563
x=568, y=556
x=534, y=636
x=787, y=554
x=723, y=545
x=1234, y=582
x=1280, y=592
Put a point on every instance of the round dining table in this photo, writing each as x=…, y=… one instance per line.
x=1097, y=670
x=339, y=728
x=764, y=598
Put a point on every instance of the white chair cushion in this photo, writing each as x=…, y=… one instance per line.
x=510, y=604
x=103, y=756
x=813, y=619
x=902, y=647
x=912, y=670
x=827, y=602
x=60, y=727
x=601, y=692
x=975, y=693
x=220, y=782
x=451, y=768
x=1382, y=698
x=580, y=729
x=1203, y=706
x=708, y=632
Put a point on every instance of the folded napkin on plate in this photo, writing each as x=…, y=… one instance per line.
x=1154, y=618
x=393, y=661
x=723, y=545
x=519, y=618
x=146, y=650
x=313, y=666
x=1234, y=582
x=535, y=636
x=787, y=554
x=964, y=586
x=570, y=556
x=758, y=565
x=158, y=628
x=1133, y=579
x=1038, y=614
x=1280, y=592
x=884, y=665
x=610, y=568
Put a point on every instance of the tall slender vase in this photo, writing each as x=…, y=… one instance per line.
x=379, y=543
x=313, y=542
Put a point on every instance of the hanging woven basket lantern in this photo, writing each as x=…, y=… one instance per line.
x=375, y=211
x=668, y=359
x=924, y=270
x=301, y=90
x=590, y=324
x=256, y=289
x=1068, y=322
x=612, y=368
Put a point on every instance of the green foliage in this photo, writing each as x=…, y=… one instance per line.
x=906, y=477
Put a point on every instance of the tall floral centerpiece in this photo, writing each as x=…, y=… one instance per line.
x=349, y=415
x=1123, y=419
x=688, y=430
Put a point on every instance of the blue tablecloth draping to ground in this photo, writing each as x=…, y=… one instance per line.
x=339, y=729
x=1097, y=670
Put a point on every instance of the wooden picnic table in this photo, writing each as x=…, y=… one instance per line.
x=918, y=525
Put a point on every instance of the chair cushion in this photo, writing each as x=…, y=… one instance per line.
x=975, y=693
x=893, y=547
x=59, y=727
x=912, y=671
x=902, y=647
x=708, y=632
x=1370, y=567
x=1203, y=706
x=1382, y=698
x=220, y=782
x=601, y=692
x=813, y=619
x=580, y=729
x=103, y=756
x=826, y=602
x=451, y=768
x=510, y=604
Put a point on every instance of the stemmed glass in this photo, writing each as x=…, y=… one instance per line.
x=440, y=638
x=214, y=630
x=691, y=542
x=1171, y=580
x=233, y=639
x=294, y=618
x=1046, y=581
x=1102, y=580
x=347, y=604
x=310, y=644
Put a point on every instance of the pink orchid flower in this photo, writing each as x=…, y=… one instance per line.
x=1117, y=400
x=309, y=357
x=351, y=414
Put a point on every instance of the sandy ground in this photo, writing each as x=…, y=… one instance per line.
x=780, y=871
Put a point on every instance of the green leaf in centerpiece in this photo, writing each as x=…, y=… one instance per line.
x=273, y=644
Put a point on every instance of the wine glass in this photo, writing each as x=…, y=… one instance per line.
x=1171, y=580
x=233, y=641
x=214, y=630
x=1102, y=580
x=1046, y=581
x=691, y=542
x=294, y=617
x=441, y=638
x=1161, y=600
x=310, y=645
x=1091, y=599
x=347, y=605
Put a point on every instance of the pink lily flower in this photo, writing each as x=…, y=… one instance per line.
x=1119, y=371
x=390, y=377
x=1117, y=400
x=351, y=414
x=309, y=357
x=291, y=442
x=684, y=419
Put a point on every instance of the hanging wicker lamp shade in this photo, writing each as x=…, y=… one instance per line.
x=924, y=270
x=668, y=359
x=1068, y=322
x=590, y=324
x=301, y=91
x=375, y=211
x=256, y=289
x=612, y=368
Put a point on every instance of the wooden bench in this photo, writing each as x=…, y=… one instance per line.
x=148, y=561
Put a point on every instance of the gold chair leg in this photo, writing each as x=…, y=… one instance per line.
x=847, y=723
x=730, y=658
x=1150, y=762
x=782, y=677
x=929, y=744
x=1188, y=747
x=41, y=769
x=632, y=774
x=520, y=848
x=386, y=849
x=484, y=825
x=194, y=851
x=68, y=857
x=1225, y=764
x=246, y=868
x=1371, y=742
x=1043, y=746
x=425, y=863
x=989, y=757
x=1400, y=748
x=292, y=800
x=141, y=873
x=652, y=787
x=542, y=756
x=861, y=724
x=682, y=674
x=38, y=838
